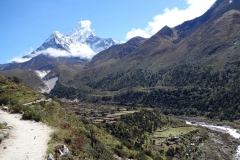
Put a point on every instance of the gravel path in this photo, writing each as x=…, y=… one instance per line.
x=27, y=139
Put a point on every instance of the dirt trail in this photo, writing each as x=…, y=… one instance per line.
x=27, y=139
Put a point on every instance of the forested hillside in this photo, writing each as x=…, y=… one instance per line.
x=182, y=90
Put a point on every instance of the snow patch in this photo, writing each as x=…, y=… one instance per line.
x=42, y=74
x=230, y=1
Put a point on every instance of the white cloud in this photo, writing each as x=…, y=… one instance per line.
x=54, y=52
x=82, y=51
x=172, y=18
x=19, y=59
x=137, y=32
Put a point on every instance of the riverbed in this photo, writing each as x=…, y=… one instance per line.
x=223, y=129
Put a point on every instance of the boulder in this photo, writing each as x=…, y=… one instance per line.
x=50, y=157
x=1, y=137
x=62, y=150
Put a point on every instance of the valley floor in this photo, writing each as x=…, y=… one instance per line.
x=27, y=139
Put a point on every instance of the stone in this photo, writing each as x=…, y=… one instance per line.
x=5, y=147
x=9, y=127
x=64, y=151
x=1, y=137
x=50, y=157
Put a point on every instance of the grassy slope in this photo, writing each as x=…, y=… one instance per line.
x=16, y=93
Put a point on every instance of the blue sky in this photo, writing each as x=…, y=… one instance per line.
x=26, y=24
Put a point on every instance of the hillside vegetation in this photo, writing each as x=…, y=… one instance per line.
x=186, y=89
x=97, y=141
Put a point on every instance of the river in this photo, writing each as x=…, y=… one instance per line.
x=224, y=129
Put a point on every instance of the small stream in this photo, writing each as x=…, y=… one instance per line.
x=224, y=129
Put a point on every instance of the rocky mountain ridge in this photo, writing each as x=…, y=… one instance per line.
x=205, y=40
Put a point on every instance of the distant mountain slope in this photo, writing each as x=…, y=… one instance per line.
x=64, y=72
x=211, y=39
x=29, y=77
x=114, y=53
x=45, y=62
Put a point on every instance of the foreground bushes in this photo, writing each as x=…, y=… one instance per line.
x=28, y=113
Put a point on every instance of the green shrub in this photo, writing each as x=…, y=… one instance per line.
x=2, y=90
x=170, y=152
x=5, y=101
x=16, y=80
x=16, y=108
x=27, y=112
x=31, y=115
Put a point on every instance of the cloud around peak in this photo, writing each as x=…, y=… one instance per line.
x=82, y=51
x=172, y=18
x=85, y=24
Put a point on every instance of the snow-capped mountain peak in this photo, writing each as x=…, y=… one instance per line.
x=55, y=35
x=80, y=42
x=81, y=31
